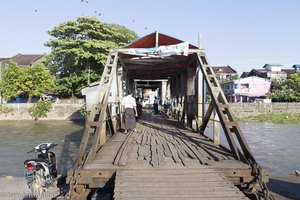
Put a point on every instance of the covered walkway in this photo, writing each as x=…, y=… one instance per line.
x=164, y=151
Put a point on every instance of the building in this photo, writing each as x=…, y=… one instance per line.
x=270, y=71
x=21, y=60
x=224, y=73
x=246, y=89
x=296, y=67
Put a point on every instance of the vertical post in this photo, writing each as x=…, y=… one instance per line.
x=200, y=98
x=216, y=128
x=156, y=39
x=163, y=91
x=1, y=99
x=199, y=40
x=201, y=91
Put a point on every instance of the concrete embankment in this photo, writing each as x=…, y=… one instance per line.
x=62, y=110
x=252, y=109
x=70, y=110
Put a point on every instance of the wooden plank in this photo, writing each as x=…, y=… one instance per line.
x=154, y=155
x=166, y=149
x=180, y=198
x=127, y=149
x=119, y=156
x=174, y=152
x=160, y=153
x=174, y=184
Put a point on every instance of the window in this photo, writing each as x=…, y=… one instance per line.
x=245, y=85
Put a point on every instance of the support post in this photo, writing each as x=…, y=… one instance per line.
x=216, y=128
x=156, y=39
x=200, y=98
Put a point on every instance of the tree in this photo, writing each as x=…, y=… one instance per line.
x=10, y=86
x=288, y=90
x=83, y=45
x=73, y=84
x=34, y=81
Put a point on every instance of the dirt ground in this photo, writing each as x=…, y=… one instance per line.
x=15, y=188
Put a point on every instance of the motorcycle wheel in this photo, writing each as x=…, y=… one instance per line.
x=36, y=187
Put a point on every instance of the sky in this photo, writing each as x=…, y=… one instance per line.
x=242, y=34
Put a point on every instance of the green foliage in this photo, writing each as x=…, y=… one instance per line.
x=287, y=91
x=34, y=81
x=235, y=77
x=72, y=85
x=10, y=85
x=83, y=45
x=5, y=109
x=282, y=118
x=83, y=111
x=40, y=109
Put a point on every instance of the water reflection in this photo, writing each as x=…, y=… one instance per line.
x=17, y=138
x=275, y=146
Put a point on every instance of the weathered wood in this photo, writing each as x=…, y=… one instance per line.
x=127, y=149
x=166, y=149
x=162, y=150
x=174, y=152
x=178, y=184
x=154, y=156
x=119, y=160
x=160, y=153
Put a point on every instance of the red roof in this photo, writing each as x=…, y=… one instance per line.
x=153, y=68
x=149, y=41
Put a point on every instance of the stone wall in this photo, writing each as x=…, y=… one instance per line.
x=63, y=110
x=252, y=109
x=70, y=110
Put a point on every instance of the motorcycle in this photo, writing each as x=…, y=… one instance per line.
x=41, y=172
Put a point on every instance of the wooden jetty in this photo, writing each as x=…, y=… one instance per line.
x=165, y=158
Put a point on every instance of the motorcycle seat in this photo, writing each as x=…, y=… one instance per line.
x=37, y=160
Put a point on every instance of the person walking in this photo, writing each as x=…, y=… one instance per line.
x=128, y=105
x=155, y=105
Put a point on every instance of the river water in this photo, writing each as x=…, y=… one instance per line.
x=19, y=137
x=276, y=147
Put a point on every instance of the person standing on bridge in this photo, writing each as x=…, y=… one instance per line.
x=129, y=109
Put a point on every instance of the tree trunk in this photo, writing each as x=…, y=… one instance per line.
x=29, y=99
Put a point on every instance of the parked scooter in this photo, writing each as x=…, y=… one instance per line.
x=41, y=172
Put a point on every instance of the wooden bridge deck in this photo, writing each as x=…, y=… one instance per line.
x=164, y=160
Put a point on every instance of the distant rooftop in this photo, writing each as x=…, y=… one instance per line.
x=223, y=69
x=26, y=59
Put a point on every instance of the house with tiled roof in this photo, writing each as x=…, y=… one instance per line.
x=24, y=59
x=27, y=59
x=224, y=73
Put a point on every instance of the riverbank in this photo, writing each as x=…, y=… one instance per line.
x=282, y=118
x=62, y=110
x=15, y=188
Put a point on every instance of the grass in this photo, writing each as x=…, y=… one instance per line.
x=283, y=118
